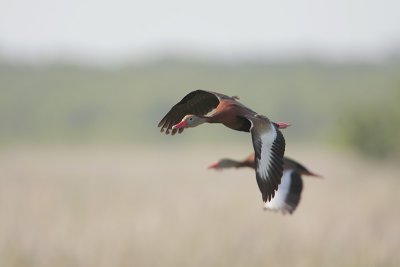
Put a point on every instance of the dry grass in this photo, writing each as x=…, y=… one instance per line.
x=161, y=207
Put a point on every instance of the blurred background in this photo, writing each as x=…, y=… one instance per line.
x=86, y=178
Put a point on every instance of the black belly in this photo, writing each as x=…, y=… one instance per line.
x=239, y=124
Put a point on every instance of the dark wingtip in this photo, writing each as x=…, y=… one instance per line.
x=267, y=197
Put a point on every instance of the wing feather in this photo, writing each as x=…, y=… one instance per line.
x=269, y=148
x=197, y=102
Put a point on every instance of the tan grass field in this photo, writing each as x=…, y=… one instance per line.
x=136, y=206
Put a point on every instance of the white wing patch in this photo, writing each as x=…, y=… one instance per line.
x=278, y=202
x=264, y=162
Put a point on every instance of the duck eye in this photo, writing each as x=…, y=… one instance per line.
x=190, y=119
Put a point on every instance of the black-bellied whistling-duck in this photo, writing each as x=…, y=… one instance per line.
x=268, y=141
x=288, y=195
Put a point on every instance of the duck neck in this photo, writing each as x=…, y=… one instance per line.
x=212, y=119
x=246, y=163
x=249, y=161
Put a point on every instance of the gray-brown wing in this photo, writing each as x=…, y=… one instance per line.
x=269, y=148
x=297, y=167
x=197, y=102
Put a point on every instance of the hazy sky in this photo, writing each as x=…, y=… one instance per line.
x=115, y=30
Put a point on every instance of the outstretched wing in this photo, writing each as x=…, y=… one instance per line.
x=269, y=148
x=287, y=198
x=299, y=168
x=198, y=103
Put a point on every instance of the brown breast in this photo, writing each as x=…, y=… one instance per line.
x=232, y=114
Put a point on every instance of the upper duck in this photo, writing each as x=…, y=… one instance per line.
x=201, y=106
